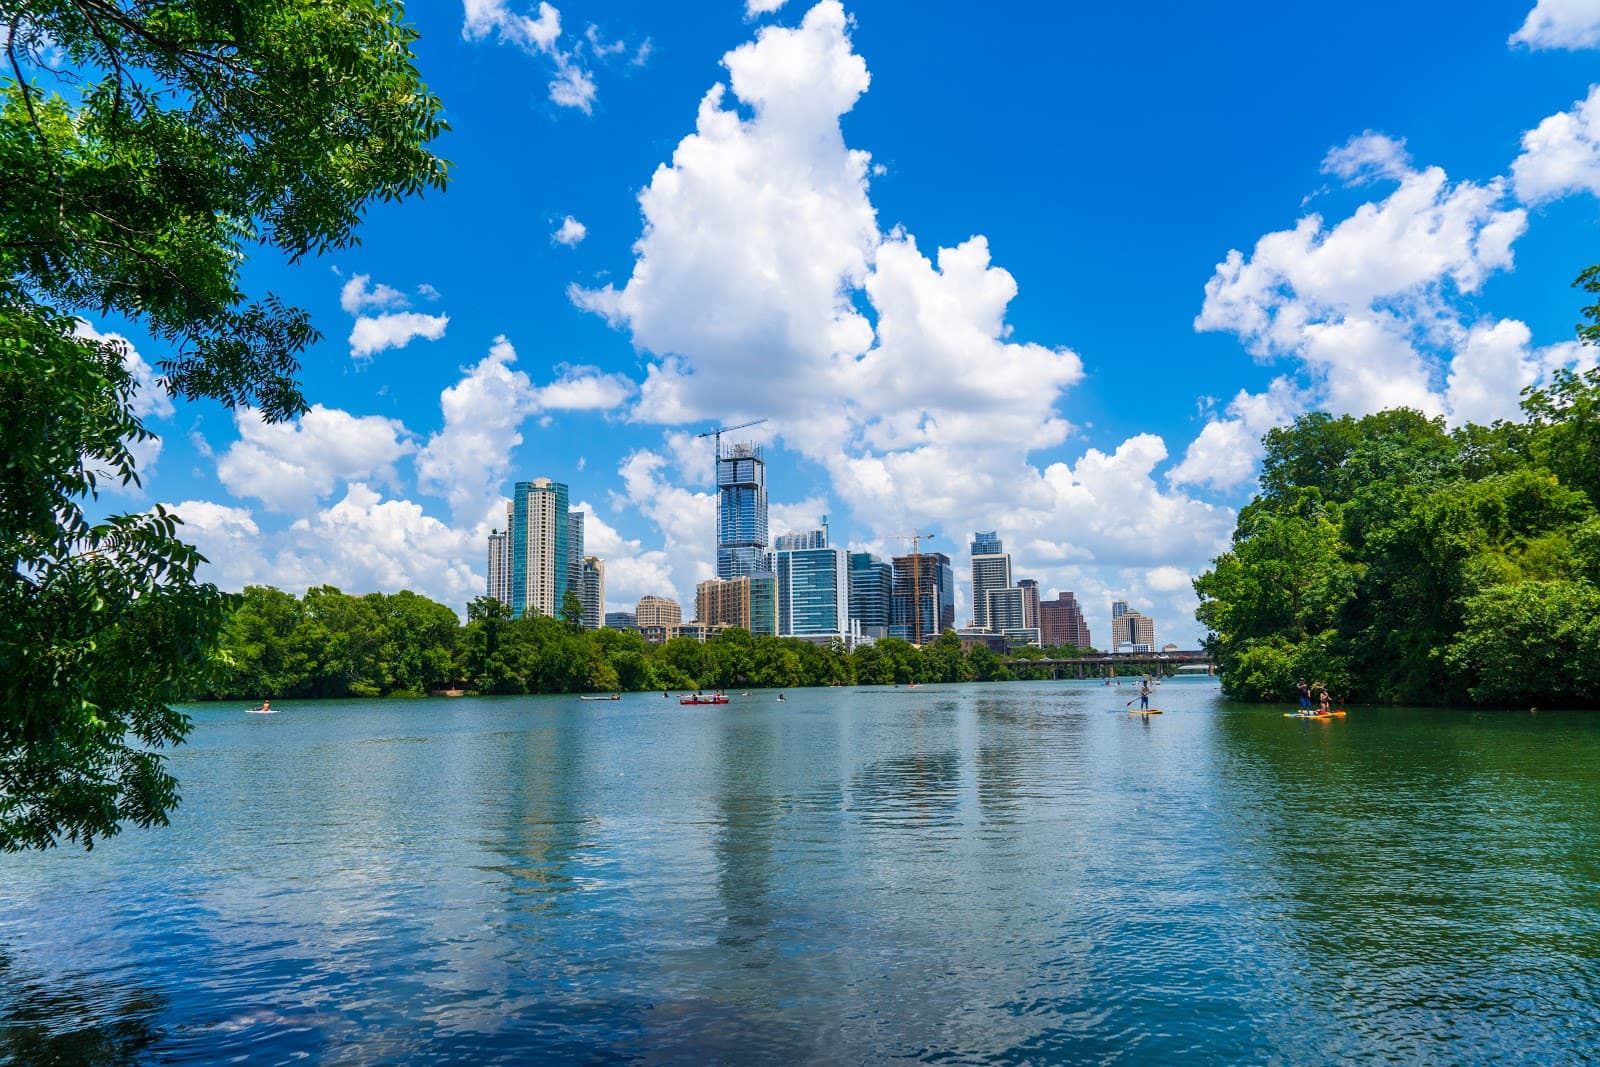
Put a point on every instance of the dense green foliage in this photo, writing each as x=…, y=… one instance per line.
x=146, y=146
x=1399, y=562
x=330, y=644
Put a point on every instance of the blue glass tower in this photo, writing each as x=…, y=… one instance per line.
x=742, y=513
x=813, y=587
x=871, y=593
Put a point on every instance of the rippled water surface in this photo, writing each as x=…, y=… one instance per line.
x=1015, y=873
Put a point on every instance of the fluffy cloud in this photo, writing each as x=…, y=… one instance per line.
x=584, y=389
x=1367, y=158
x=1562, y=154
x=393, y=326
x=570, y=232
x=762, y=272
x=1224, y=455
x=572, y=86
x=375, y=333
x=361, y=543
x=685, y=518
x=631, y=570
x=487, y=18
x=753, y=8
x=289, y=466
x=466, y=462
x=358, y=294
x=228, y=537
x=760, y=247
x=1366, y=305
x=1570, y=24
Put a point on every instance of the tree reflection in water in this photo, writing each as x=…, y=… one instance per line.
x=73, y=1019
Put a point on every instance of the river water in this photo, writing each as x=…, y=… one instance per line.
x=1009, y=873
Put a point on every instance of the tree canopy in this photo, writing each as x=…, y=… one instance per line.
x=1397, y=561
x=333, y=644
x=146, y=148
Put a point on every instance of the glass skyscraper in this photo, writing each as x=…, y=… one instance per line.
x=742, y=513
x=871, y=593
x=813, y=587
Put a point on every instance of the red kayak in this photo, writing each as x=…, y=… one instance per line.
x=718, y=699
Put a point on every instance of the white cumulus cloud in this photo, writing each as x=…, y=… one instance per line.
x=763, y=285
x=1570, y=24
x=1562, y=154
x=359, y=294
x=291, y=465
x=375, y=333
x=570, y=232
x=572, y=84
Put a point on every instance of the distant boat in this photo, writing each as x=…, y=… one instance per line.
x=697, y=699
x=261, y=711
x=613, y=696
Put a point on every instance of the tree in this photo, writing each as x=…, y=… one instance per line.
x=571, y=611
x=160, y=142
x=942, y=660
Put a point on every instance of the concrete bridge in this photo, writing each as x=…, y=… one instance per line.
x=1125, y=664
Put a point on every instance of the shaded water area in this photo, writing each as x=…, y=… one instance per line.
x=1017, y=873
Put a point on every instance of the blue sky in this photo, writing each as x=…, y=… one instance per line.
x=1035, y=269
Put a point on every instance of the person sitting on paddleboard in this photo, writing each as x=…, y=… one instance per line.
x=1324, y=701
x=1305, y=695
x=1144, y=695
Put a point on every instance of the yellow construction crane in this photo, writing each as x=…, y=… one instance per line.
x=916, y=538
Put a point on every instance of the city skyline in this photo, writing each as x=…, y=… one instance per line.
x=648, y=236
x=812, y=589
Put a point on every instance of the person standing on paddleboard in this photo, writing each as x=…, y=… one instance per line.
x=1305, y=695
x=1144, y=695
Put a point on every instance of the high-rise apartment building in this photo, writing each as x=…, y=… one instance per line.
x=927, y=581
x=1005, y=609
x=540, y=563
x=1030, y=602
x=592, y=592
x=658, y=611
x=742, y=512
x=1132, y=628
x=498, y=585
x=991, y=569
x=749, y=601
x=1061, y=622
x=813, y=587
x=871, y=594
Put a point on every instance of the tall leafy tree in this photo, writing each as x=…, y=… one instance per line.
x=161, y=142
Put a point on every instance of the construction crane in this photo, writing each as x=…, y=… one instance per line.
x=916, y=538
x=720, y=430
